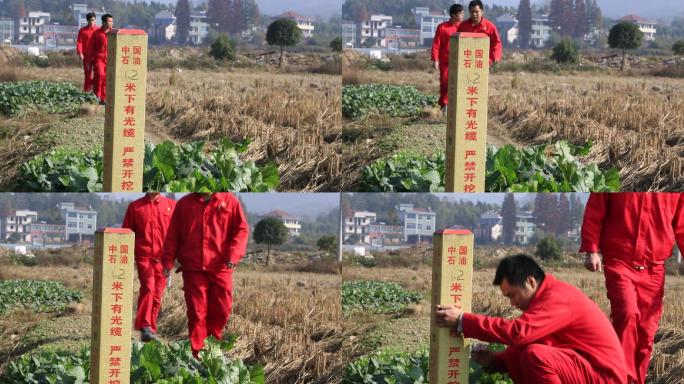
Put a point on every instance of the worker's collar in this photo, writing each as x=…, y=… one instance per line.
x=202, y=198
x=543, y=286
x=154, y=200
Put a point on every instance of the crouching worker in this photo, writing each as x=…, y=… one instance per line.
x=561, y=337
x=208, y=237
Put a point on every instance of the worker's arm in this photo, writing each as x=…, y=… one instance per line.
x=495, y=46
x=592, y=225
x=238, y=236
x=436, y=44
x=678, y=223
x=173, y=236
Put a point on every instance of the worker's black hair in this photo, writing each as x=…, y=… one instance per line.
x=456, y=8
x=476, y=3
x=105, y=17
x=516, y=269
x=90, y=16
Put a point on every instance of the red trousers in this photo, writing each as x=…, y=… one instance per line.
x=100, y=79
x=443, y=83
x=543, y=364
x=636, y=304
x=152, y=284
x=209, y=299
x=87, y=76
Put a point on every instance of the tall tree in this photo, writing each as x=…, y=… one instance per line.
x=556, y=16
x=508, y=218
x=597, y=17
x=283, y=33
x=569, y=22
x=581, y=21
x=564, y=222
x=182, y=14
x=624, y=36
x=524, y=23
x=270, y=231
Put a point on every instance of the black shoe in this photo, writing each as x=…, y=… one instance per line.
x=146, y=335
x=102, y=103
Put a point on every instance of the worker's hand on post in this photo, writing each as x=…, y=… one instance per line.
x=436, y=65
x=447, y=316
x=593, y=261
x=167, y=272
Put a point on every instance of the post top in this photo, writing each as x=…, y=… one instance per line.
x=127, y=32
x=453, y=232
x=471, y=34
x=114, y=230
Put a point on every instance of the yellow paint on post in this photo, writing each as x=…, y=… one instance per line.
x=466, y=143
x=112, y=318
x=452, y=284
x=124, y=148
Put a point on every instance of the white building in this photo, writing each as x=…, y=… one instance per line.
x=374, y=27
x=419, y=223
x=6, y=30
x=541, y=31
x=32, y=25
x=359, y=225
x=19, y=224
x=164, y=27
x=81, y=10
x=427, y=22
x=349, y=35
x=78, y=222
x=648, y=27
x=305, y=23
x=524, y=228
x=508, y=27
x=292, y=222
x=490, y=226
x=199, y=27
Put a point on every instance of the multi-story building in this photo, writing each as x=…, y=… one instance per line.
x=164, y=29
x=79, y=223
x=30, y=29
x=17, y=228
x=43, y=233
x=292, y=222
x=359, y=225
x=80, y=11
x=381, y=234
x=648, y=27
x=541, y=31
x=427, y=22
x=60, y=35
x=374, y=28
x=524, y=228
x=350, y=37
x=508, y=28
x=419, y=223
x=199, y=27
x=490, y=226
x=305, y=23
x=6, y=30
x=398, y=37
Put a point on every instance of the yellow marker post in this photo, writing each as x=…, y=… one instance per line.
x=466, y=143
x=452, y=284
x=124, y=148
x=112, y=318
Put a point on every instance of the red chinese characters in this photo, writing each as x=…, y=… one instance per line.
x=131, y=123
x=472, y=64
x=117, y=255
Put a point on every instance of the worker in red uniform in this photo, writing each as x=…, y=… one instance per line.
x=208, y=237
x=97, y=52
x=440, y=50
x=635, y=234
x=149, y=218
x=561, y=337
x=82, y=40
x=478, y=24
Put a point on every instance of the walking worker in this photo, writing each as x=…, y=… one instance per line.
x=97, y=52
x=478, y=24
x=208, y=237
x=440, y=50
x=561, y=337
x=635, y=233
x=149, y=218
x=84, y=35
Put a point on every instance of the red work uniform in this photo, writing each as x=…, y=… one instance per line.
x=440, y=53
x=635, y=233
x=82, y=40
x=204, y=237
x=149, y=219
x=563, y=337
x=489, y=29
x=97, y=52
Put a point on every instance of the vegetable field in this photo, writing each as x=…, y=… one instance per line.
x=35, y=296
x=376, y=296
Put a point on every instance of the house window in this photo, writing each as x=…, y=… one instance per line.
x=411, y=225
x=411, y=216
x=420, y=226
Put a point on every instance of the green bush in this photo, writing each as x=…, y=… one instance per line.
x=398, y=101
x=20, y=98
x=35, y=296
x=678, y=47
x=223, y=48
x=565, y=52
x=336, y=44
x=549, y=249
x=376, y=296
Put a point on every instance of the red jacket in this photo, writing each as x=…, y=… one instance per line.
x=440, y=44
x=150, y=222
x=639, y=228
x=84, y=35
x=205, y=236
x=559, y=315
x=97, y=46
x=489, y=29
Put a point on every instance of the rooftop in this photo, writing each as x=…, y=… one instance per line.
x=294, y=16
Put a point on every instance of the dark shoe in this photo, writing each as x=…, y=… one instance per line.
x=146, y=335
x=102, y=103
x=444, y=110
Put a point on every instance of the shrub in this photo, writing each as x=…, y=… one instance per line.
x=565, y=52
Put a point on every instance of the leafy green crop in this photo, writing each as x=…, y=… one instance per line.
x=397, y=101
x=392, y=367
x=35, y=296
x=19, y=98
x=376, y=296
x=168, y=168
x=153, y=362
x=509, y=169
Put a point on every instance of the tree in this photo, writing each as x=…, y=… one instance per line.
x=564, y=223
x=524, y=23
x=581, y=22
x=556, y=16
x=678, y=47
x=625, y=36
x=508, y=218
x=597, y=17
x=370, y=42
x=182, y=14
x=283, y=33
x=565, y=52
x=223, y=48
x=270, y=231
x=336, y=44
x=327, y=244
x=548, y=249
